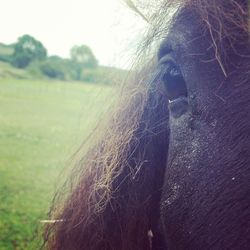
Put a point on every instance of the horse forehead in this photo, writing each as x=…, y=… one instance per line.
x=185, y=30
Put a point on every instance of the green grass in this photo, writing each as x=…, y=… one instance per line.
x=41, y=124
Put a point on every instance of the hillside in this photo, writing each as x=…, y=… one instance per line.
x=101, y=74
x=55, y=67
x=6, y=49
x=7, y=71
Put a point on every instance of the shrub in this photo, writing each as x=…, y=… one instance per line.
x=53, y=69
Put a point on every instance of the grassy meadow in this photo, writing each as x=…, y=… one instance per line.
x=42, y=123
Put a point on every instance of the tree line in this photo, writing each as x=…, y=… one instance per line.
x=29, y=53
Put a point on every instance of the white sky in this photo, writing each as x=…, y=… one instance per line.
x=107, y=26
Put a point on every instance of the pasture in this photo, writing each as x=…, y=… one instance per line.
x=41, y=124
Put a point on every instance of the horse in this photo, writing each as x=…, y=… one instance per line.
x=171, y=169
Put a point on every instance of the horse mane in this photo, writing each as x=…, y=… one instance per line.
x=227, y=22
x=111, y=200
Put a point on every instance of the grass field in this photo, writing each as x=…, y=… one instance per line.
x=41, y=124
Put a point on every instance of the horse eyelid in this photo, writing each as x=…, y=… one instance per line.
x=164, y=50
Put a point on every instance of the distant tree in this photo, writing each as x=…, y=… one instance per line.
x=84, y=56
x=26, y=50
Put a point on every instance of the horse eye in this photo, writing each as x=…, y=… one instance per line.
x=174, y=83
x=174, y=72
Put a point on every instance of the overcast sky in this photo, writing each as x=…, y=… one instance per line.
x=107, y=26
